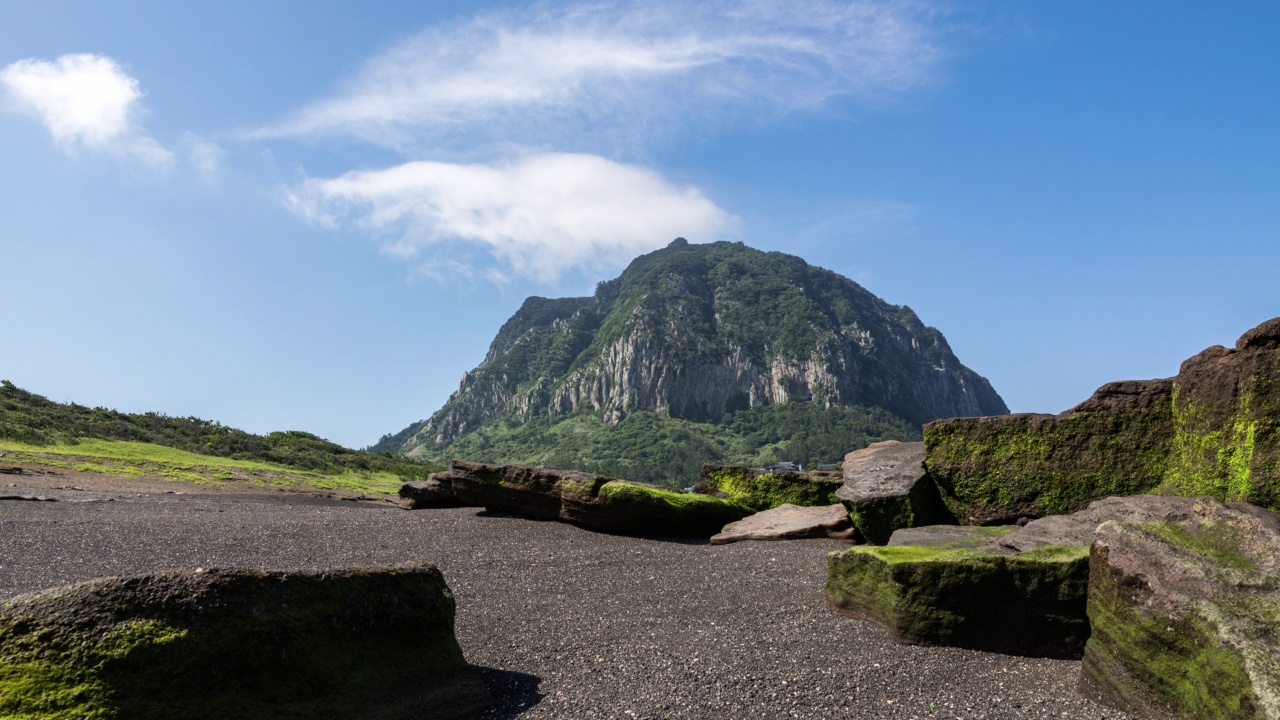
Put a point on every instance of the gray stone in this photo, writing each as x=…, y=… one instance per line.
x=234, y=643
x=789, y=522
x=949, y=537
x=434, y=492
x=1184, y=614
x=886, y=488
x=1078, y=528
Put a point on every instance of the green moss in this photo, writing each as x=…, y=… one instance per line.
x=1140, y=659
x=1217, y=541
x=629, y=507
x=304, y=649
x=939, y=596
x=761, y=490
x=1211, y=456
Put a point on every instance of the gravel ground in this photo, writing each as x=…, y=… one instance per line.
x=563, y=622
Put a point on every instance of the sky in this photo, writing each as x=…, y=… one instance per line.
x=316, y=215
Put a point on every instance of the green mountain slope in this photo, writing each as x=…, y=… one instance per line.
x=36, y=421
x=701, y=353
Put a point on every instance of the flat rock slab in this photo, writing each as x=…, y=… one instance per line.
x=434, y=492
x=789, y=522
x=766, y=489
x=950, y=537
x=886, y=488
x=239, y=644
x=1184, y=615
x=598, y=502
x=1079, y=528
x=1027, y=604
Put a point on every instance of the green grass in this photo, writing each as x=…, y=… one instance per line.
x=130, y=460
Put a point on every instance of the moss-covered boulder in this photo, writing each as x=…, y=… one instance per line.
x=237, y=644
x=1214, y=429
x=598, y=502
x=762, y=490
x=1186, y=615
x=885, y=487
x=950, y=537
x=1026, y=604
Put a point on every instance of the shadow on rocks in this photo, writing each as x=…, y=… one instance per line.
x=512, y=692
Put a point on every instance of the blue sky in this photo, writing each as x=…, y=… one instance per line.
x=316, y=215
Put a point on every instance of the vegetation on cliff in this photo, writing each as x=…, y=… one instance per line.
x=701, y=353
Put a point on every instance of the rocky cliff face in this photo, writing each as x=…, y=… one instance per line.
x=698, y=331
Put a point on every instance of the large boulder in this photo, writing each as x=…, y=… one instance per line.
x=1185, y=613
x=765, y=489
x=1025, y=604
x=434, y=492
x=988, y=587
x=885, y=487
x=598, y=502
x=790, y=522
x=1214, y=429
x=238, y=644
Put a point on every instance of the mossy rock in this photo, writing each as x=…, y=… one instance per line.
x=760, y=490
x=238, y=644
x=1028, y=604
x=1214, y=430
x=594, y=501
x=1184, y=615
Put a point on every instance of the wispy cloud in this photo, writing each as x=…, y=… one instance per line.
x=86, y=102
x=575, y=76
x=539, y=216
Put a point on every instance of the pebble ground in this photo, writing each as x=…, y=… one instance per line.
x=562, y=622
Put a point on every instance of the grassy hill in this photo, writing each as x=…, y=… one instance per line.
x=35, y=429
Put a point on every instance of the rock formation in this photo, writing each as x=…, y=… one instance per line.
x=885, y=488
x=1184, y=615
x=435, y=491
x=699, y=331
x=1211, y=430
x=238, y=644
x=765, y=489
x=592, y=501
x=790, y=522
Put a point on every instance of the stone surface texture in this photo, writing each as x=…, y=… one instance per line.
x=886, y=488
x=436, y=491
x=598, y=502
x=789, y=522
x=238, y=643
x=950, y=537
x=1214, y=429
x=1185, y=615
x=766, y=489
x=1079, y=528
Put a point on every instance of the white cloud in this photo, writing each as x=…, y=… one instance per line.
x=540, y=215
x=85, y=102
x=206, y=158
x=626, y=71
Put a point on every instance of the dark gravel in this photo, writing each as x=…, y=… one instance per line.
x=563, y=622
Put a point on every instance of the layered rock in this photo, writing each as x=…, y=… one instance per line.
x=1184, y=615
x=886, y=488
x=434, y=492
x=790, y=522
x=1026, y=604
x=698, y=331
x=598, y=502
x=1211, y=430
x=238, y=643
x=765, y=489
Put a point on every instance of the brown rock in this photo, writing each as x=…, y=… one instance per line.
x=886, y=488
x=434, y=492
x=789, y=522
x=1079, y=528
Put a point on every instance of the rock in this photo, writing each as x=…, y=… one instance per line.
x=765, y=489
x=238, y=643
x=1079, y=528
x=1214, y=429
x=434, y=492
x=790, y=522
x=949, y=537
x=598, y=502
x=886, y=488
x=1025, y=604
x=1184, y=615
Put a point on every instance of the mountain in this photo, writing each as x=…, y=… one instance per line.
x=714, y=352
